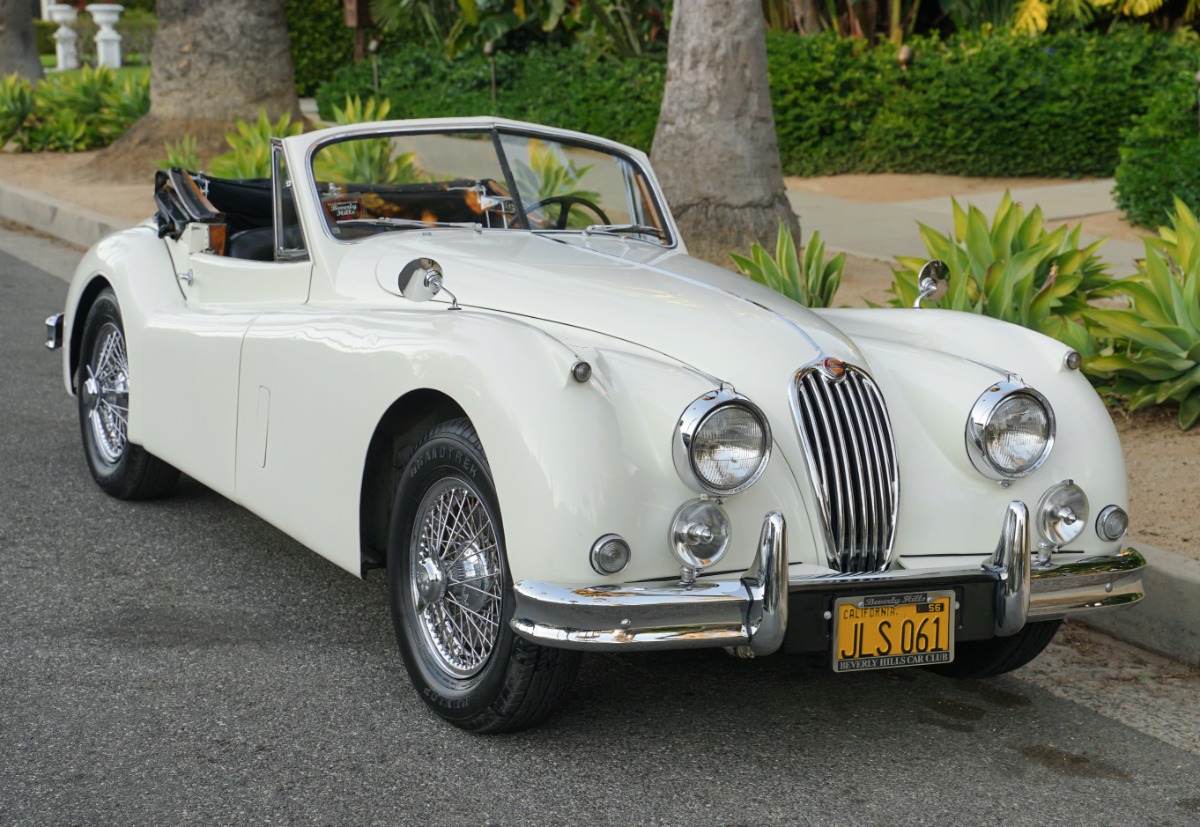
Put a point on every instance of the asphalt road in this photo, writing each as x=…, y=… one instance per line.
x=182, y=662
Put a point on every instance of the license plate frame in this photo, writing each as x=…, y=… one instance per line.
x=922, y=624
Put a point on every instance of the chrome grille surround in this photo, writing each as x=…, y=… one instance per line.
x=847, y=436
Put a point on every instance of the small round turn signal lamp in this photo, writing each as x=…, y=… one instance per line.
x=610, y=554
x=1112, y=523
x=581, y=371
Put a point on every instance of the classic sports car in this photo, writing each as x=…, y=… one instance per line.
x=476, y=352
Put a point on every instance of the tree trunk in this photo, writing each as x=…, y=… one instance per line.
x=18, y=48
x=213, y=61
x=715, y=150
x=221, y=59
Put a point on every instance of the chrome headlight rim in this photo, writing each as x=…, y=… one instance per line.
x=980, y=417
x=690, y=423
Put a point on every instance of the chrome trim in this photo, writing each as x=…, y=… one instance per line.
x=491, y=127
x=844, y=426
x=981, y=414
x=54, y=331
x=752, y=608
x=601, y=543
x=1050, y=499
x=1011, y=563
x=689, y=423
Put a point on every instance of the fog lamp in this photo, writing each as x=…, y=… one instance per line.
x=699, y=534
x=610, y=554
x=1062, y=513
x=1112, y=523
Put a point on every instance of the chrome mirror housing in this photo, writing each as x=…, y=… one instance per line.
x=927, y=280
x=421, y=279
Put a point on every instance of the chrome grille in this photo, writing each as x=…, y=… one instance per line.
x=846, y=432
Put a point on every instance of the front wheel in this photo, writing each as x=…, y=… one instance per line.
x=988, y=658
x=451, y=594
x=124, y=470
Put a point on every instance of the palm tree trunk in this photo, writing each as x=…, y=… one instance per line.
x=715, y=149
x=18, y=48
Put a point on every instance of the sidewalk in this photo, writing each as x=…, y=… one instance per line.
x=884, y=231
x=1168, y=622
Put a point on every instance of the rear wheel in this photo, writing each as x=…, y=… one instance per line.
x=988, y=658
x=451, y=594
x=124, y=470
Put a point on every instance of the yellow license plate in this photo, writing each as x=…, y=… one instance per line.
x=886, y=631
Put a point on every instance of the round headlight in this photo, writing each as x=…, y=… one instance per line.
x=1010, y=431
x=722, y=443
x=1062, y=514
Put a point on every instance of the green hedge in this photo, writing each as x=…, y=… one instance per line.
x=557, y=87
x=1160, y=156
x=321, y=43
x=1002, y=105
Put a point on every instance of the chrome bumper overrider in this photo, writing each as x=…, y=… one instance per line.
x=54, y=331
x=752, y=610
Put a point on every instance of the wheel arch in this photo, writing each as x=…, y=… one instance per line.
x=87, y=297
x=397, y=431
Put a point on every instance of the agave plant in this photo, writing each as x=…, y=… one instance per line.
x=250, y=147
x=812, y=281
x=365, y=161
x=1013, y=269
x=16, y=104
x=1154, y=356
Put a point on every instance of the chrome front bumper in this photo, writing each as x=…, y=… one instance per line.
x=752, y=610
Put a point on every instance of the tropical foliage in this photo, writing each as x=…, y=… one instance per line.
x=368, y=160
x=70, y=113
x=810, y=280
x=250, y=147
x=1014, y=269
x=1154, y=353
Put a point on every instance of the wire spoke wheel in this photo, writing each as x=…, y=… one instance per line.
x=106, y=393
x=456, y=577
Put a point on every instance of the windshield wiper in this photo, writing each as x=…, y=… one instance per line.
x=403, y=223
x=620, y=229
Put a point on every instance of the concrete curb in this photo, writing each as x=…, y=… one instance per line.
x=1167, y=621
x=70, y=222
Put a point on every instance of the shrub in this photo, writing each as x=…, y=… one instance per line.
x=73, y=112
x=250, y=147
x=812, y=282
x=43, y=33
x=1160, y=158
x=618, y=100
x=1155, y=355
x=321, y=43
x=1015, y=270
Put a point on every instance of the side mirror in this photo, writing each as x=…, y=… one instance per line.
x=421, y=279
x=927, y=280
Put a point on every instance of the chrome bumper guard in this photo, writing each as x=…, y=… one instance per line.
x=54, y=331
x=752, y=609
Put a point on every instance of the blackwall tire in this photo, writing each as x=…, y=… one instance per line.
x=451, y=594
x=121, y=468
x=988, y=658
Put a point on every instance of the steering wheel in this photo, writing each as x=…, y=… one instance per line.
x=566, y=202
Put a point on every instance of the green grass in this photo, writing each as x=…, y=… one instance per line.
x=124, y=72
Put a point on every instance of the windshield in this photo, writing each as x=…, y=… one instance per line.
x=499, y=180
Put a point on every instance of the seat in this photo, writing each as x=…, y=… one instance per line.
x=257, y=244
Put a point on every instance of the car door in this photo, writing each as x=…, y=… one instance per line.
x=193, y=353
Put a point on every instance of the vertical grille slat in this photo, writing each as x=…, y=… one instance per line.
x=847, y=435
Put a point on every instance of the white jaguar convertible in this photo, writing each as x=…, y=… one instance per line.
x=476, y=352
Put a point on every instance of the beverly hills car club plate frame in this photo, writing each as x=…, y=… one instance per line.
x=889, y=631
